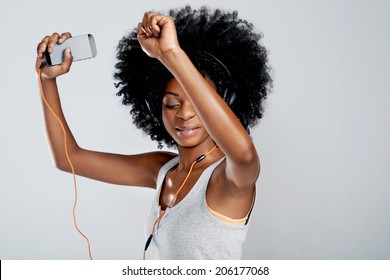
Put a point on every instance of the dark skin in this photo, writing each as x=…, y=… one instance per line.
x=194, y=115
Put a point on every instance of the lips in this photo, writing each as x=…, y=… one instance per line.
x=186, y=130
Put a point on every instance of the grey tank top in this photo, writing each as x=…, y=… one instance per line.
x=188, y=230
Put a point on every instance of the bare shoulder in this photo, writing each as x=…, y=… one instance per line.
x=155, y=160
x=160, y=158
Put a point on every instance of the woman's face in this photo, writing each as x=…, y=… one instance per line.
x=180, y=118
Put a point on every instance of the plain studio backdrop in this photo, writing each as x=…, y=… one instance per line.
x=324, y=188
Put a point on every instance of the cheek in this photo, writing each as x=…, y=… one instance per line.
x=168, y=118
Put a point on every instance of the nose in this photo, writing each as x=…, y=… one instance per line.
x=186, y=111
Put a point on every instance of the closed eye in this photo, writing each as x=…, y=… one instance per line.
x=171, y=106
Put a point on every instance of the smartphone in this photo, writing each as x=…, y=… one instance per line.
x=81, y=46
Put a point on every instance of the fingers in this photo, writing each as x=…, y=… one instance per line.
x=52, y=72
x=52, y=41
x=64, y=36
x=48, y=42
x=42, y=46
x=155, y=28
x=65, y=65
x=141, y=32
x=149, y=25
x=39, y=63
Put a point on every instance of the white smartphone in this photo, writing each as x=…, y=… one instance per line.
x=81, y=46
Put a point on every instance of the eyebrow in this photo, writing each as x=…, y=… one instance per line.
x=172, y=93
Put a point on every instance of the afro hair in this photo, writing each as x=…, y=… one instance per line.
x=222, y=47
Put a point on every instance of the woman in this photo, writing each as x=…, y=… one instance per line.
x=195, y=81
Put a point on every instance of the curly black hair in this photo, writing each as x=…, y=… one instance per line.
x=222, y=47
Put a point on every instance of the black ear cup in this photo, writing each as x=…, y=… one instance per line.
x=229, y=96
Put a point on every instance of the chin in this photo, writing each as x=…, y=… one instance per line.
x=191, y=142
x=187, y=143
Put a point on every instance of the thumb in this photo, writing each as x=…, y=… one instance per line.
x=68, y=59
x=39, y=63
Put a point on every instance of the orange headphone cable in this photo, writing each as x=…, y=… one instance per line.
x=173, y=200
x=70, y=163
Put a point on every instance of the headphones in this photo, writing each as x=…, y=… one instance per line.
x=229, y=94
x=203, y=59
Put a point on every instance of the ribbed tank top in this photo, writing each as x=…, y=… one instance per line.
x=188, y=230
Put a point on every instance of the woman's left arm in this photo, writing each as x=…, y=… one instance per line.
x=157, y=36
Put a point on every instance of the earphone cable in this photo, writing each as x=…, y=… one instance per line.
x=202, y=157
x=69, y=161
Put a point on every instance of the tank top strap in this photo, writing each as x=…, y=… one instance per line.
x=206, y=175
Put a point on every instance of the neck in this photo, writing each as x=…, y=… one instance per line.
x=188, y=155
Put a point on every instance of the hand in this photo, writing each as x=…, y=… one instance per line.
x=47, y=43
x=157, y=35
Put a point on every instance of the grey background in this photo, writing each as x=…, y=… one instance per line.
x=324, y=186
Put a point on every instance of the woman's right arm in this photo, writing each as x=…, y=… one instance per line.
x=133, y=170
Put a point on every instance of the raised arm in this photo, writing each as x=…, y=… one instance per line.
x=157, y=36
x=133, y=170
